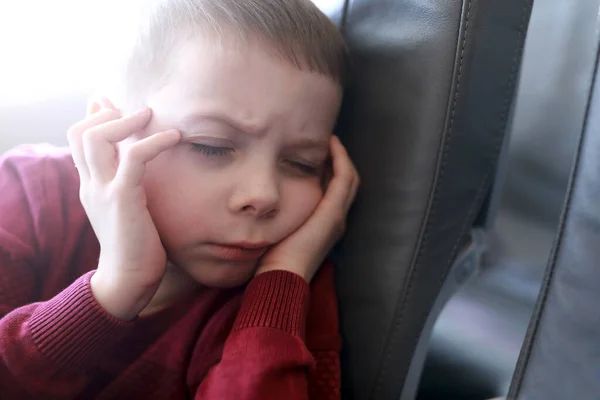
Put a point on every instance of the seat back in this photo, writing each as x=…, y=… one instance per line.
x=477, y=340
x=424, y=120
x=560, y=358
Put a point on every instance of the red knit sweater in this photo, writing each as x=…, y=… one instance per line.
x=262, y=341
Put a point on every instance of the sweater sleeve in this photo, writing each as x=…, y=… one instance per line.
x=47, y=347
x=323, y=337
x=267, y=354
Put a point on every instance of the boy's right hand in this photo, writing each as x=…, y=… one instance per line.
x=132, y=259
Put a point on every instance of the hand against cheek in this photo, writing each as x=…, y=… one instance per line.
x=305, y=250
x=132, y=259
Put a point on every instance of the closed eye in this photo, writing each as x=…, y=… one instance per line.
x=211, y=151
x=305, y=169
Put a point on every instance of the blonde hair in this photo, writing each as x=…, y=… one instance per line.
x=295, y=30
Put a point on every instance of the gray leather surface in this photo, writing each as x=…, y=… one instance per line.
x=557, y=68
x=477, y=339
x=561, y=355
x=424, y=121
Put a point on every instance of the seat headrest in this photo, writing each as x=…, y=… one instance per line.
x=424, y=121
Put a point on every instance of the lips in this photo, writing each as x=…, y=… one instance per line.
x=241, y=251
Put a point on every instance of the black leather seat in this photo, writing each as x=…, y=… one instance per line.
x=424, y=120
x=561, y=358
x=478, y=337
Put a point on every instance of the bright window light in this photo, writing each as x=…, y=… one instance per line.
x=328, y=6
x=52, y=48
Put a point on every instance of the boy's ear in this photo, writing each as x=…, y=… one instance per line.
x=96, y=104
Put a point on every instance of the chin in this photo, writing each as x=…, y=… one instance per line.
x=222, y=276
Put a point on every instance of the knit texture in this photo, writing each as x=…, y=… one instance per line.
x=283, y=304
x=275, y=338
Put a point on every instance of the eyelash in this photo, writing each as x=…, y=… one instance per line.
x=304, y=168
x=211, y=151
x=214, y=151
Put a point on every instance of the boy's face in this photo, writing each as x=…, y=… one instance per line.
x=249, y=167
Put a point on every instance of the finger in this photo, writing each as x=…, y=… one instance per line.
x=346, y=171
x=353, y=189
x=343, y=174
x=99, y=143
x=327, y=175
x=333, y=207
x=75, y=138
x=354, y=192
x=106, y=103
x=328, y=221
x=133, y=162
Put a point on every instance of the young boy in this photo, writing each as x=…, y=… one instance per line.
x=168, y=254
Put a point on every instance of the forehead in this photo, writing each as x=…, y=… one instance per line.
x=250, y=81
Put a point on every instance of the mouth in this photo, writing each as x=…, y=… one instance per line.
x=241, y=251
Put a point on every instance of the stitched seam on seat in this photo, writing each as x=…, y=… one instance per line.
x=406, y=293
x=532, y=330
x=345, y=11
x=480, y=191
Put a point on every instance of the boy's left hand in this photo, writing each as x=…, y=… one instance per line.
x=305, y=250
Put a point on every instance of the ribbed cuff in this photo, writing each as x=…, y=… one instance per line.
x=73, y=330
x=275, y=299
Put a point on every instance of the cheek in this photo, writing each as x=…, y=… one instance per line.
x=175, y=199
x=302, y=199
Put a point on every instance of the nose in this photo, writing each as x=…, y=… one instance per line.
x=257, y=194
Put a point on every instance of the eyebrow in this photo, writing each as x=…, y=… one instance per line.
x=222, y=118
x=219, y=117
x=310, y=143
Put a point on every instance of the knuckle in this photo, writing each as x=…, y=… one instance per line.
x=117, y=189
x=87, y=193
x=115, y=195
x=112, y=114
x=347, y=174
x=127, y=161
x=339, y=218
x=72, y=134
x=134, y=121
x=357, y=180
x=89, y=135
x=349, y=184
x=83, y=196
x=139, y=152
x=132, y=152
x=107, y=114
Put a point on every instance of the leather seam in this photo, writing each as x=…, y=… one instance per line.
x=345, y=11
x=480, y=191
x=532, y=330
x=414, y=265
